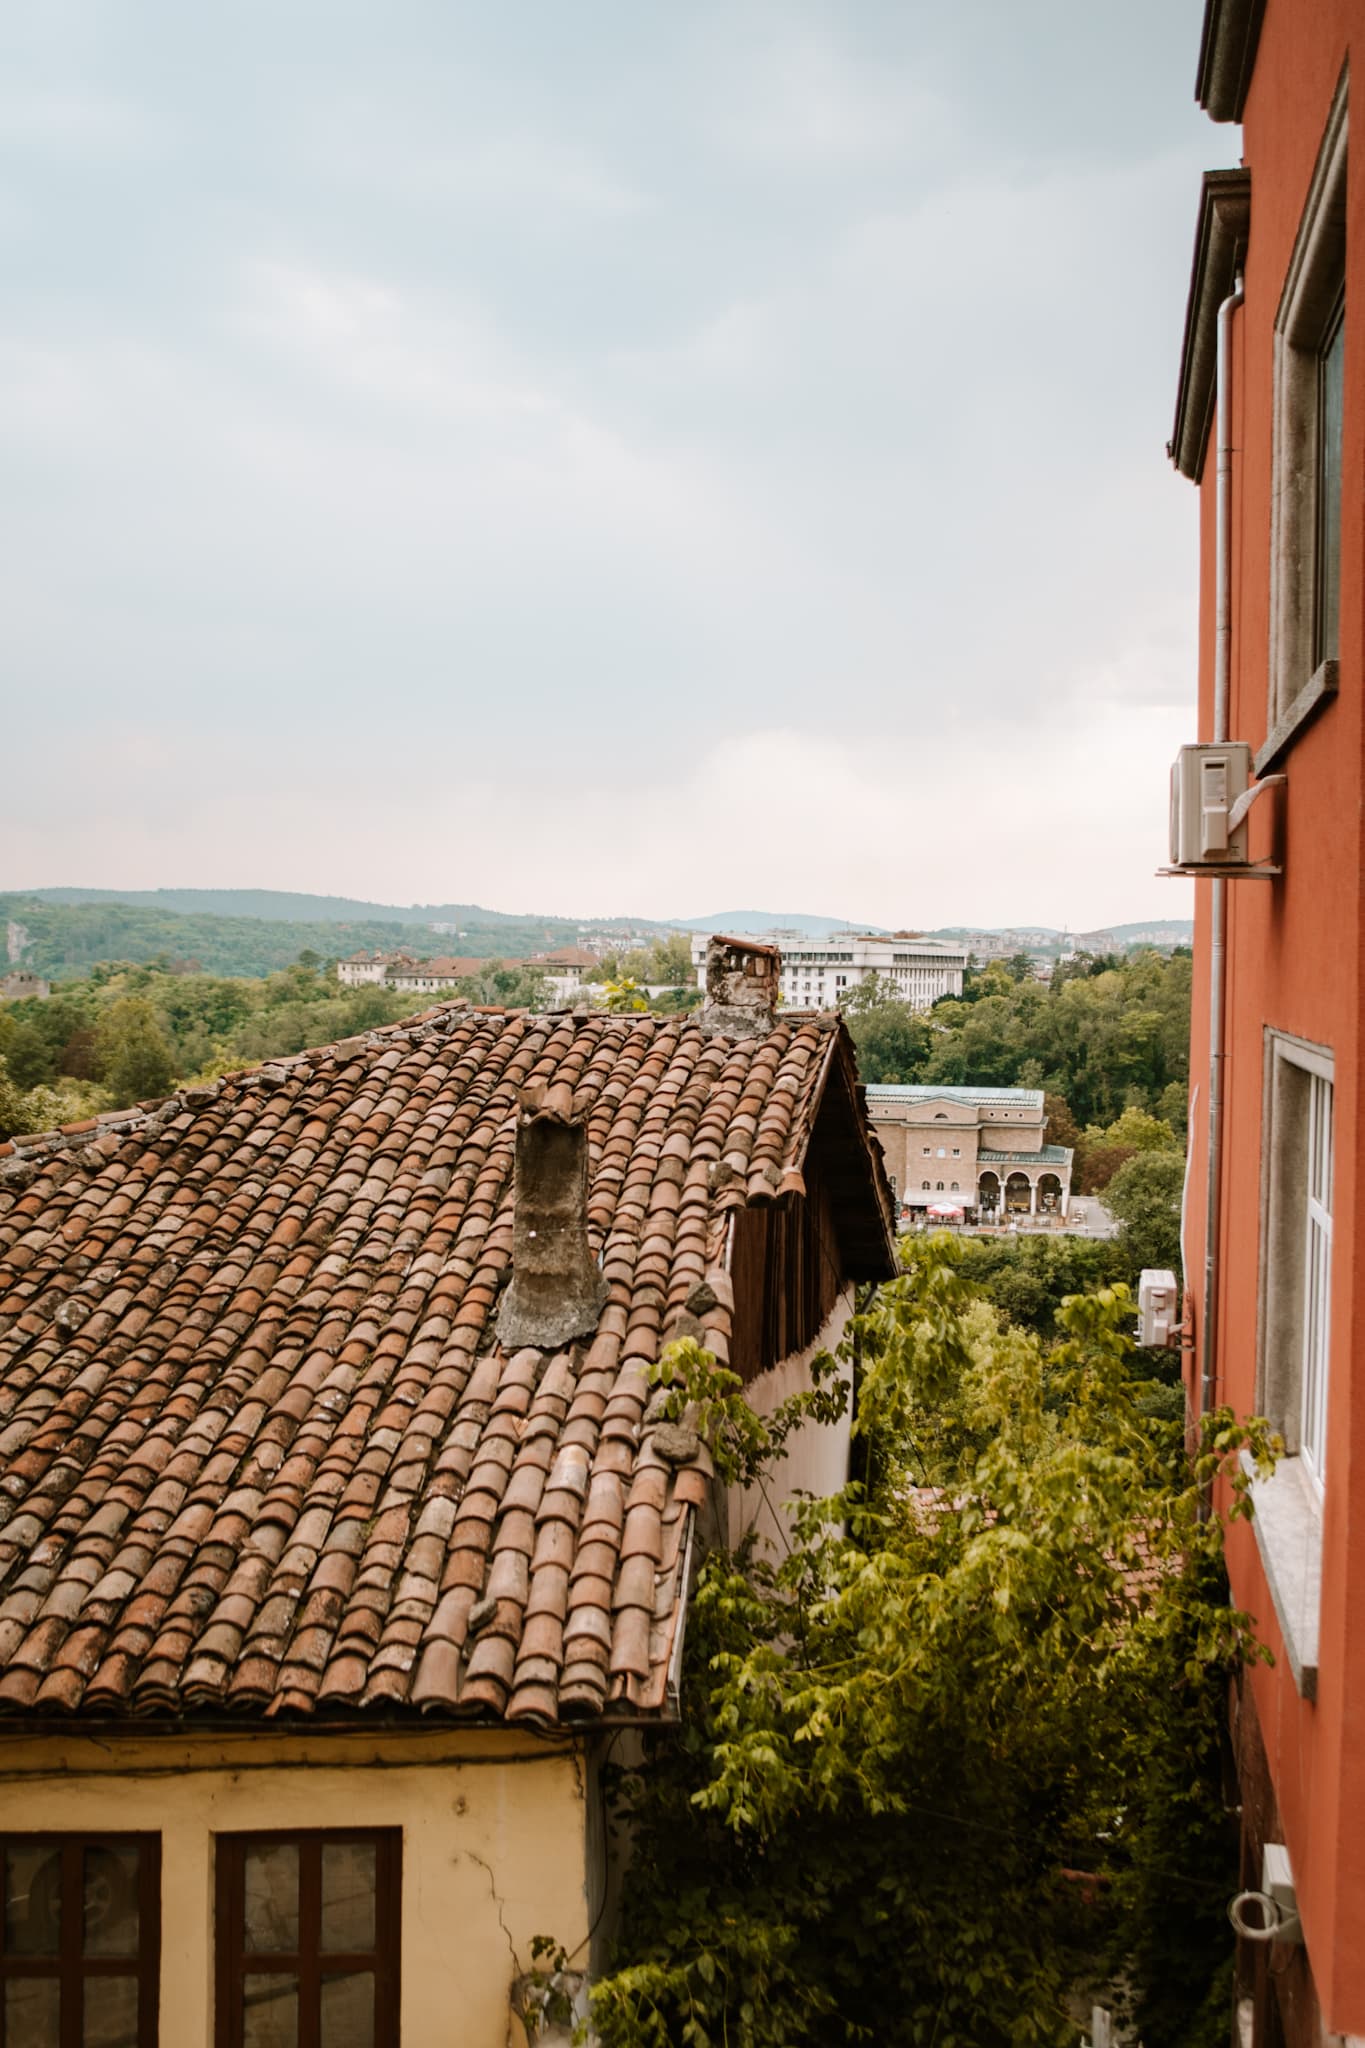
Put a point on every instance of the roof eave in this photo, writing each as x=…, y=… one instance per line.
x=862, y=1192
x=1219, y=248
x=1227, y=56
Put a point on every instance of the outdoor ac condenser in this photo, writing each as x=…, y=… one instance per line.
x=1158, y=1307
x=1206, y=782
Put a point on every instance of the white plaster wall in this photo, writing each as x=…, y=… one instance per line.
x=817, y=1453
x=494, y=1849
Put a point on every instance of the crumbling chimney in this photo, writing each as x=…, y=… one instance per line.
x=742, y=979
x=556, y=1292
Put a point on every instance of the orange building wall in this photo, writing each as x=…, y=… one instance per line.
x=1296, y=961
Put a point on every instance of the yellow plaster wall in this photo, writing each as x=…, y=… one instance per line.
x=494, y=1848
x=817, y=1452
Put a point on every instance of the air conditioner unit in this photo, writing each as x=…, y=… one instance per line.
x=1206, y=782
x=1158, y=1307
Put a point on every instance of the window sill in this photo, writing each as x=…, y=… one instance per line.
x=1320, y=689
x=1288, y=1529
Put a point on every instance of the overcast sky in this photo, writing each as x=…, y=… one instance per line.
x=600, y=457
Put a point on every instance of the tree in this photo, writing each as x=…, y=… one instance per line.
x=1062, y=1128
x=135, y=1060
x=930, y=1780
x=1145, y=1195
x=892, y=1040
x=624, y=996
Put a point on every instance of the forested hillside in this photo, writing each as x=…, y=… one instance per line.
x=63, y=941
x=287, y=906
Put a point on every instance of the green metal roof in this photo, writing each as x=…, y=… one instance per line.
x=1046, y=1155
x=920, y=1091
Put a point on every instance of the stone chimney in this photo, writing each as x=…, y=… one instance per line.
x=742, y=980
x=556, y=1291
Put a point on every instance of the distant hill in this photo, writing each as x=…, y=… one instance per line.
x=63, y=932
x=279, y=906
x=758, y=923
x=1158, y=931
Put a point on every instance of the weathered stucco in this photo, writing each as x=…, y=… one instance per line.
x=495, y=1848
x=817, y=1453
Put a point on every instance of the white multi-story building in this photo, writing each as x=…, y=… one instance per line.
x=817, y=973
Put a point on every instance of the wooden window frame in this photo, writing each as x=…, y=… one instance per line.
x=233, y=1963
x=70, y=1967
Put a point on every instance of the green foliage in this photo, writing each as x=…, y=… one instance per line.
x=45, y=1107
x=622, y=997
x=1145, y=1195
x=242, y=931
x=666, y=959
x=1026, y=1279
x=951, y=1759
x=137, y=1031
x=133, y=1054
x=1101, y=1041
x=893, y=1040
x=1097, y=1043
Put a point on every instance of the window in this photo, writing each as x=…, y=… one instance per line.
x=939, y=1185
x=308, y=1940
x=80, y=1940
x=925, y=1185
x=1295, y=1332
x=957, y=1151
x=1305, y=537
x=928, y=1149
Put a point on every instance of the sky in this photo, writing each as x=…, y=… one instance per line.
x=599, y=459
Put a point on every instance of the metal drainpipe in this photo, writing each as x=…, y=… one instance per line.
x=1222, y=674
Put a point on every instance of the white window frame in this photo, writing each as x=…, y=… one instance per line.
x=1294, y=1333
x=1317, y=1268
x=1300, y=682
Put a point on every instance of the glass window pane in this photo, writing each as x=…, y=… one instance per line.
x=1329, y=493
x=33, y=1898
x=32, y=2009
x=347, y=1897
x=109, y=1886
x=348, y=2011
x=110, y=2015
x=271, y=1918
x=270, y=2010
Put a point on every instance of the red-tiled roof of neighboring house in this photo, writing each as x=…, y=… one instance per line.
x=261, y=1451
x=459, y=968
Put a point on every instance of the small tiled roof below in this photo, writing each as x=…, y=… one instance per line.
x=260, y=1451
x=919, y=1091
x=1046, y=1155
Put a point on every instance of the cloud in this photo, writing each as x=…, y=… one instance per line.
x=900, y=833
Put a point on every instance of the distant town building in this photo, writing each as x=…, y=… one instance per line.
x=401, y=972
x=565, y=970
x=816, y=973
x=979, y=1149
x=21, y=982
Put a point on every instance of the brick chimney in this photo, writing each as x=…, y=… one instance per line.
x=742, y=980
x=556, y=1291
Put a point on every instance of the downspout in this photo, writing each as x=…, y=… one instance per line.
x=1222, y=675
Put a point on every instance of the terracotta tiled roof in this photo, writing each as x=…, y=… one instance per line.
x=260, y=1451
x=460, y=968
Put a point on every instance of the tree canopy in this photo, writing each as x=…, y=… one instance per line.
x=950, y=1767
x=1101, y=1041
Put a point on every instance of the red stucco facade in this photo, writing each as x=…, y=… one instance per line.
x=1295, y=960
